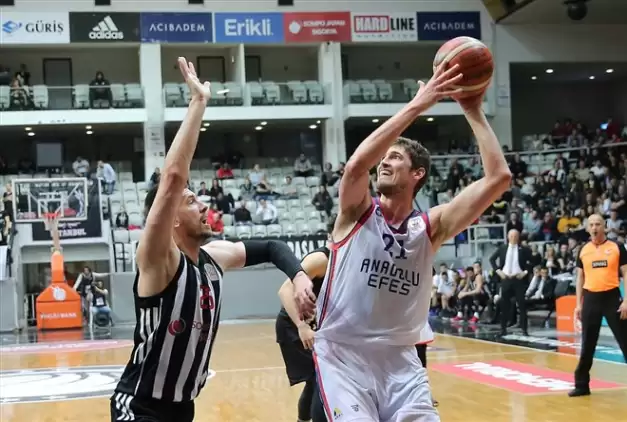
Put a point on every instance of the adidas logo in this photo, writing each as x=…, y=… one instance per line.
x=106, y=30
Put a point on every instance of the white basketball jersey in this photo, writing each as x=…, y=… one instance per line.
x=377, y=289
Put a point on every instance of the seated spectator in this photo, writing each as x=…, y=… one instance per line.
x=443, y=294
x=323, y=201
x=247, y=190
x=216, y=189
x=224, y=203
x=614, y=226
x=267, y=212
x=155, y=178
x=551, y=262
x=203, y=191
x=472, y=297
x=582, y=172
x=241, y=215
x=531, y=225
x=541, y=287
x=100, y=90
x=513, y=223
x=568, y=222
x=340, y=171
x=19, y=96
x=217, y=225
x=256, y=176
x=535, y=260
x=517, y=166
x=121, y=219
x=264, y=190
x=23, y=75
x=328, y=177
x=224, y=172
x=80, y=166
x=548, y=228
x=303, y=167
x=288, y=190
x=99, y=299
x=107, y=176
x=211, y=211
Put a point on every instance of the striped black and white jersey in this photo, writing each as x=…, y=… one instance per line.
x=175, y=334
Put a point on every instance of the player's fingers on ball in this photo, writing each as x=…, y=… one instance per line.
x=450, y=81
x=446, y=73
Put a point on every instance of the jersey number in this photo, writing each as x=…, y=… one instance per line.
x=389, y=242
x=206, y=298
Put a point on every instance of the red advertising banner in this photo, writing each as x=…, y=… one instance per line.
x=315, y=27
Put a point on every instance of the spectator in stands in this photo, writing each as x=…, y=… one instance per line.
x=328, y=177
x=99, y=304
x=322, y=201
x=288, y=190
x=100, y=90
x=541, y=287
x=211, y=211
x=443, y=294
x=531, y=225
x=548, y=228
x=121, y=219
x=303, y=167
x=107, y=176
x=551, y=262
x=514, y=222
x=568, y=222
x=256, y=176
x=263, y=189
x=518, y=167
x=582, y=171
x=217, y=225
x=340, y=170
x=224, y=203
x=7, y=200
x=224, y=172
x=619, y=203
x=247, y=190
x=267, y=212
x=5, y=225
x=80, y=166
x=558, y=171
x=23, y=75
x=216, y=189
x=241, y=215
x=5, y=76
x=472, y=298
x=203, y=191
x=614, y=226
x=155, y=178
x=19, y=96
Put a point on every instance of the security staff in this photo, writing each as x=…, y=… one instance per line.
x=600, y=264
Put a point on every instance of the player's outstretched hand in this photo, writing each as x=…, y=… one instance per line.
x=440, y=86
x=200, y=91
x=304, y=296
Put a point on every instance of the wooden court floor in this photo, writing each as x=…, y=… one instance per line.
x=250, y=384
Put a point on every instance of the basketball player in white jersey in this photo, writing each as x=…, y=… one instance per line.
x=178, y=286
x=375, y=299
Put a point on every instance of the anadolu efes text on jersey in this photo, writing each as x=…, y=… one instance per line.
x=378, y=285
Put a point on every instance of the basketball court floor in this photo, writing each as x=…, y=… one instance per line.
x=68, y=377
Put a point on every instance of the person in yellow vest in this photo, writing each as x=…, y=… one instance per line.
x=568, y=222
x=600, y=265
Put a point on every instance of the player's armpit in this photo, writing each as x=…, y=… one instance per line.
x=450, y=219
x=155, y=272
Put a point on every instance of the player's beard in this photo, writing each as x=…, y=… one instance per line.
x=387, y=188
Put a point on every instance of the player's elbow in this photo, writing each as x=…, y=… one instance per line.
x=500, y=180
x=355, y=168
x=173, y=177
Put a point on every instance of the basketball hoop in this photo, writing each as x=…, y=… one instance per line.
x=51, y=220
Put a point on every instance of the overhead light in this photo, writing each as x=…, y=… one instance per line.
x=375, y=120
x=89, y=132
x=318, y=122
x=258, y=127
x=88, y=127
x=28, y=129
x=609, y=70
x=313, y=126
x=31, y=133
x=533, y=78
x=549, y=71
x=206, y=124
x=203, y=129
x=263, y=123
x=591, y=77
x=430, y=119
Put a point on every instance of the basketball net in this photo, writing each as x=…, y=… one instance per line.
x=51, y=220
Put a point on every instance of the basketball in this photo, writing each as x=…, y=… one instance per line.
x=475, y=63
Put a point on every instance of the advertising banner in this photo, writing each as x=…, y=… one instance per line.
x=443, y=26
x=34, y=28
x=176, y=27
x=249, y=28
x=384, y=27
x=317, y=27
x=104, y=27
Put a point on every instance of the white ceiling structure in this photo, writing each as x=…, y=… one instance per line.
x=600, y=12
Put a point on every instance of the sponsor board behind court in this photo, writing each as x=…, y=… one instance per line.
x=316, y=27
x=384, y=27
x=104, y=27
x=443, y=26
x=34, y=28
x=249, y=28
x=177, y=27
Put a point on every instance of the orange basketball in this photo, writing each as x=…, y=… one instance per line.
x=475, y=63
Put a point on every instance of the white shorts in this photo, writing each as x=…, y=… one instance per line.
x=426, y=335
x=446, y=290
x=373, y=384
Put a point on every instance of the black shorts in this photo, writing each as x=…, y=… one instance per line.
x=299, y=363
x=125, y=407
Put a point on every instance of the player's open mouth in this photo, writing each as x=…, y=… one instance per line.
x=385, y=173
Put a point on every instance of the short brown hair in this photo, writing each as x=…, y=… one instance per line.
x=419, y=156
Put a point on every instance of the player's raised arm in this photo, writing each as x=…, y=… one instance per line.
x=450, y=219
x=354, y=193
x=157, y=254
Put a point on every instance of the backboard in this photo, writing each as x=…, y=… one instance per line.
x=33, y=198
